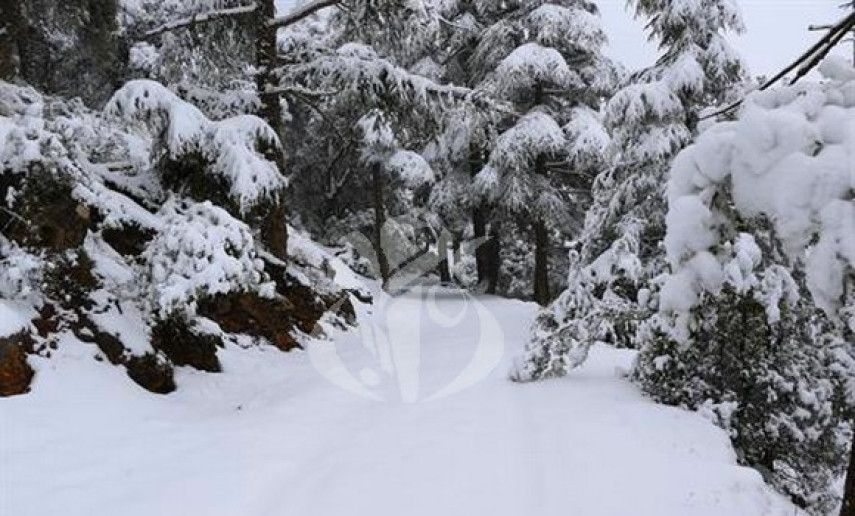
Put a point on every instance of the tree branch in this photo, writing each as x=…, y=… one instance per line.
x=200, y=18
x=807, y=61
x=301, y=13
x=279, y=22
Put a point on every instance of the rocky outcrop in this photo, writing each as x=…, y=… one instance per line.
x=182, y=342
x=15, y=373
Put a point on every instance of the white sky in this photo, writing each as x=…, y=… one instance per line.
x=776, y=32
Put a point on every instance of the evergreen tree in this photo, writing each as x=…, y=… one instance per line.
x=262, y=18
x=336, y=82
x=617, y=257
x=545, y=58
x=759, y=236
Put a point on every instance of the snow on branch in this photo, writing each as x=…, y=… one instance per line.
x=301, y=13
x=788, y=157
x=805, y=62
x=278, y=22
x=358, y=68
x=232, y=148
x=535, y=135
x=200, y=18
x=532, y=64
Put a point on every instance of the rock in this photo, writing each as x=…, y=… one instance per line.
x=15, y=373
x=127, y=240
x=151, y=373
x=184, y=345
x=87, y=331
x=272, y=319
x=45, y=214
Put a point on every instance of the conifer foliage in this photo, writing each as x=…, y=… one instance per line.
x=739, y=334
x=617, y=256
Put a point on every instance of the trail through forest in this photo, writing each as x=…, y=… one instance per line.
x=272, y=436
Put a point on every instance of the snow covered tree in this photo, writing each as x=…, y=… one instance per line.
x=617, y=257
x=389, y=167
x=546, y=58
x=264, y=24
x=759, y=233
x=334, y=82
x=461, y=147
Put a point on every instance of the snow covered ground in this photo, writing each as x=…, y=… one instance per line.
x=271, y=436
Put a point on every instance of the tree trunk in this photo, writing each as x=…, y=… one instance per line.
x=274, y=232
x=541, y=263
x=444, y=264
x=379, y=221
x=479, y=216
x=479, y=230
x=848, y=507
x=270, y=108
x=492, y=258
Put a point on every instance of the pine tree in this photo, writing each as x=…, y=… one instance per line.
x=265, y=24
x=339, y=80
x=617, y=257
x=759, y=237
x=546, y=58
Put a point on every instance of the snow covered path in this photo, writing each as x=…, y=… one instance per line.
x=270, y=436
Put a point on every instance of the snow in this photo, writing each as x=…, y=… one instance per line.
x=788, y=157
x=231, y=146
x=535, y=134
x=554, y=25
x=531, y=64
x=269, y=436
x=14, y=316
x=202, y=249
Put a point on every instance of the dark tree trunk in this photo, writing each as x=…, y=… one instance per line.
x=379, y=221
x=492, y=258
x=541, y=263
x=848, y=507
x=479, y=216
x=274, y=232
x=444, y=265
x=479, y=227
x=270, y=108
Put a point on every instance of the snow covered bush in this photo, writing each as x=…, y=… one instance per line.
x=230, y=150
x=232, y=162
x=759, y=234
x=202, y=251
x=763, y=364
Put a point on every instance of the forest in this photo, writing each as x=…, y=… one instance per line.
x=326, y=257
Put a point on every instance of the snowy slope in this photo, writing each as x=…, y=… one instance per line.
x=270, y=436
